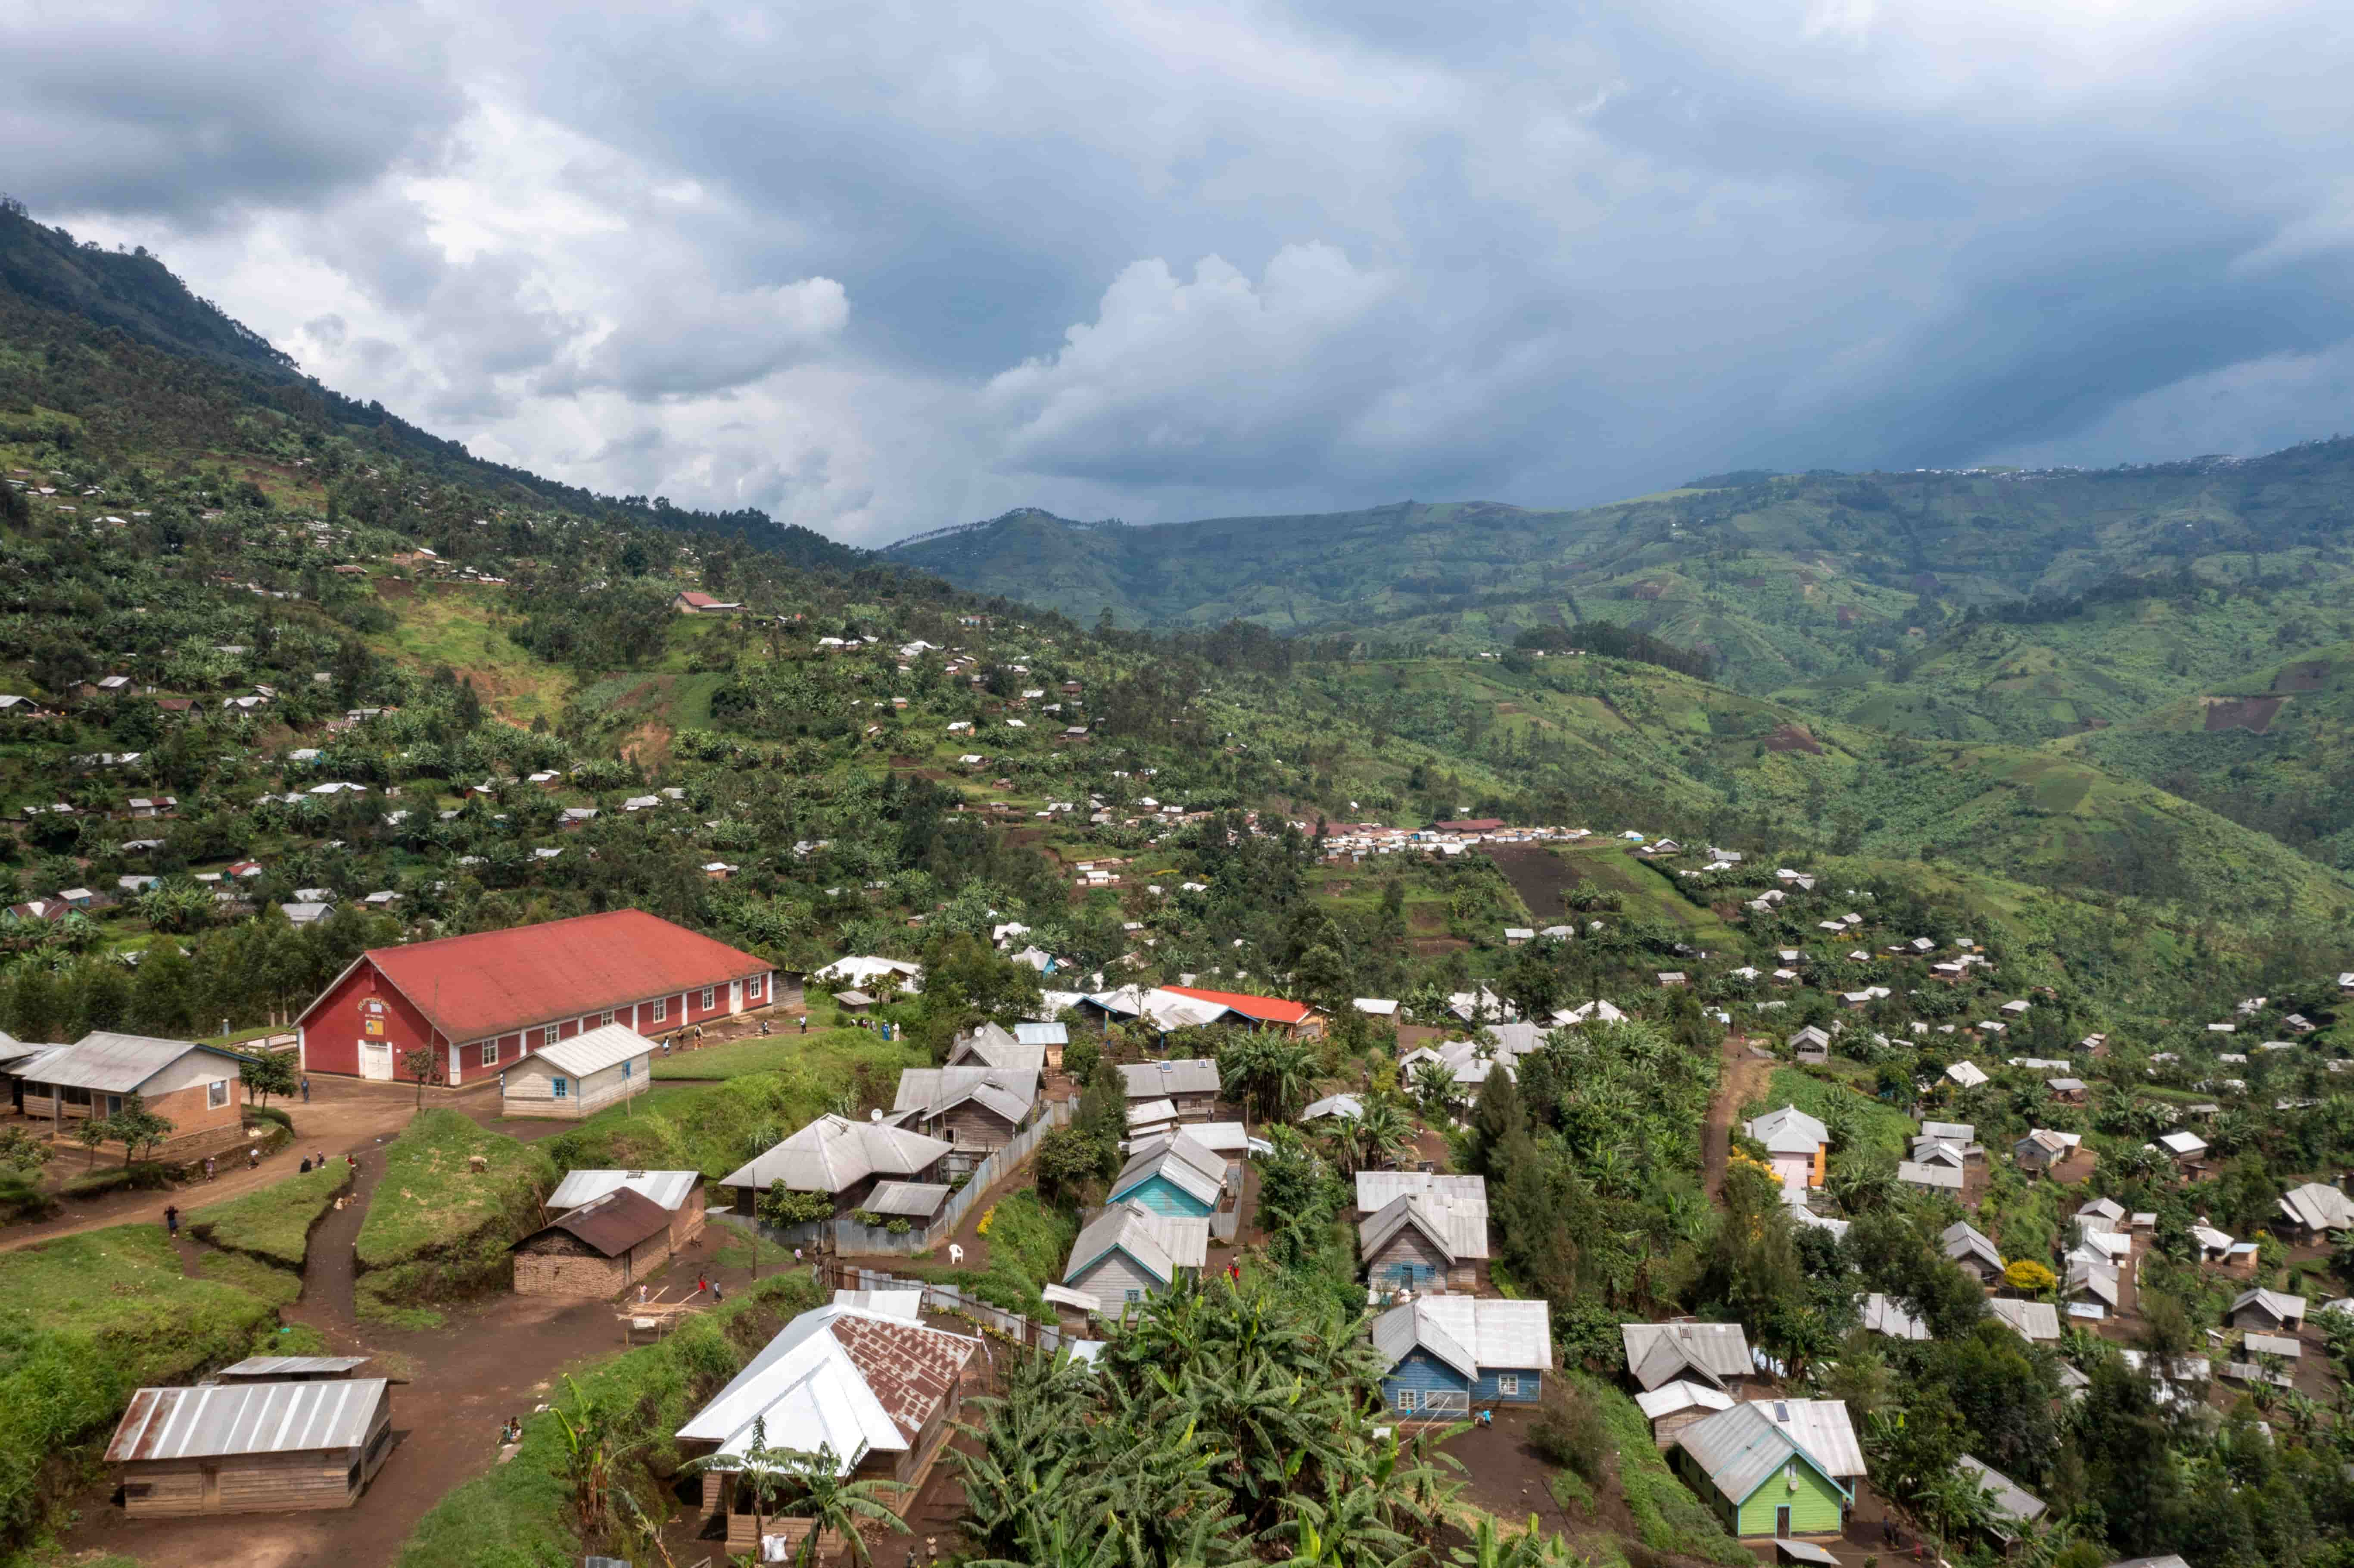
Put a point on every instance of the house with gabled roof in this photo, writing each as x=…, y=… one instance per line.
x=2266, y=1311
x=878, y=1393
x=193, y=1085
x=2037, y=1322
x=481, y=1003
x=1714, y=1353
x=978, y=1110
x=1963, y=1244
x=1758, y=1477
x=840, y=1157
x=579, y=1076
x=1172, y=1174
x=1421, y=1242
x=1448, y=1355
x=1294, y=1020
x=1190, y=1085
x=2313, y=1212
x=1128, y=1253
x=1797, y=1145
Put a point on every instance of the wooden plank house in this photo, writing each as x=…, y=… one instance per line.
x=251, y=1447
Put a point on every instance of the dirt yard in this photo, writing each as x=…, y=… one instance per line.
x=1539, y=875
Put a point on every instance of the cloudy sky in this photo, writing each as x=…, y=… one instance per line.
x=879, y=266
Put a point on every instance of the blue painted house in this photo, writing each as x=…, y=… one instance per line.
x=1450, y=1354
x=1174, y=1175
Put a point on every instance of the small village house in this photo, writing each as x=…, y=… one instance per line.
x=597, y=1250
x=976, y=1109
x=2266, y=1311
x=2042, y=1148
x=1448, y=1355
x=1797, y=1145
x=840, y=1157
x=678, y=1193
x=1676, y=1405
x=2314, y=1212
x=1128, y=1253
x=1716, y=1354
x=1190, y=1085
x=2015, y=1508
x=1968, y=1247
x=1430, y=1232
x=1172, y=1174
x=251, y=1447
x=580, y=1076
x=2037, y=1322
x=193, y=1086
x=1293, y=1020
x=1759, y=1478
x=877, y=1392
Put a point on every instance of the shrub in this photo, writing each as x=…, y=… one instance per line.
x=1568, y=1432
x=21, y=1199
x=271, y=1113
x=145, y=1177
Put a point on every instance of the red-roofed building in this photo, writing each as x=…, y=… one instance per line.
x=692, y=602
x=1472, y=825
x=1296, y=1019
x=485, y=1001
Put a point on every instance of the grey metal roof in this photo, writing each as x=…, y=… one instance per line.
x=2010, y=1501
x=594, y=1050
x=2037, y=1321
x=1377, y=1190
x=833, y=1152
x=916, y=1200
x=1913, y=1173
x=118, y=1064
x=1741, y=1449
x=216, y=1420
x=668, y=1188
x=1179, y=1159
x=1010, y=1092
x=2318, y=1207
x=1822, y=1428
x=1788, y=1130
x=1188, y=1076
x=1460, y=1233
x=1886, y=1315
x=1661, y=1352
x=1160, y=1243
x=1962, y=1239
x=1042, y=1034
x=263, y=1368
x=1469, y=1333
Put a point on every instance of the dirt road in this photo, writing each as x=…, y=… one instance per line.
x=345, y=1115
x=1740, y=1078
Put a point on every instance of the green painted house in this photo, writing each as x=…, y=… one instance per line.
x=1759, y=1478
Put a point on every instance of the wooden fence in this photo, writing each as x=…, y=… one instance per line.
x=948, y=1298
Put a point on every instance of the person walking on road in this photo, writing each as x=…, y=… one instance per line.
x=172, y=1220
x=306, y=1091
x=211, y=1168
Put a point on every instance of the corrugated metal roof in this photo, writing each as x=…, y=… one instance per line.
x=1657, y=1354
x=1011, y=1092
x=1913, y=1173
x=218, y=1420
x=841, y=1377
x=261, y=1368
x=916, y=1200
x=1460, y=1233
x=1160, y=1243
x=1469, y=1333
x=1154, y=1080
x=1041, y=1035
x=1822, y=1428
x=908, y=1305
x=594, y=1050
x=2035, y=1320
x=1788, y=1132
x=1177, y=1159
x=1265, y=1008
x=1377, y=1190
x=612, y=1225
x=117, y=1063
x=669, y=1189
x=1347, y=1106
x=833, y=1153
x=2011, y=1501
x=1681, y=1394
x=1886, y=1315
x=1740, y=1449
x=494, y=983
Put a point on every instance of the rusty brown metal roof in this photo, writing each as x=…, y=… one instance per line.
x=911, y=1368
x=612, y=1225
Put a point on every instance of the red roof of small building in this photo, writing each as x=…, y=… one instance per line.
x=700, y=600
x=495, y=982
x=1472, y=825
x=1265, y=1008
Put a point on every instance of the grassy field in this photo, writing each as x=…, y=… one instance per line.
x=1028, y=1243
x=437, y=1228
x=519, y=1516
x=457, y=627
x=84, y=1320
x=830, y=1054
x=1881, y=1134
x=273, y=1224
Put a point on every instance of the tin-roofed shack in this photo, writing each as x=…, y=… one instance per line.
x=599, y=1249
x=251, y=1447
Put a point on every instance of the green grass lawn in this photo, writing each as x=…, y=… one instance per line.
x=1668, y=1517
x=826, y=1053
x=84, y=1320
x=456, y=627
x=273, y=1224
x=436, y=1228
x=1882, y=1133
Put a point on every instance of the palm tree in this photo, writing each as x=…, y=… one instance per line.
x=1383, y=1129
x=1435, y=1089
x=818, y=1488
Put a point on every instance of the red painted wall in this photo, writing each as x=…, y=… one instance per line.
x=333, y=1030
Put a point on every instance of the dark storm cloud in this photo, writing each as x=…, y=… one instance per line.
x=881, y=267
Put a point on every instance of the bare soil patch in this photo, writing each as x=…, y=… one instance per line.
x=1793, y=737
x=1741, y=1078
x=2251, y=714
x=1539, y=875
